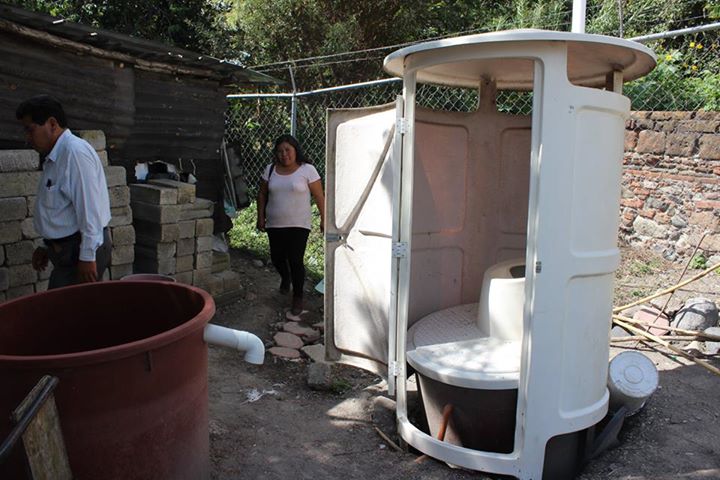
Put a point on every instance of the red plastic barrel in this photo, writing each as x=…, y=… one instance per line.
x=132, y=364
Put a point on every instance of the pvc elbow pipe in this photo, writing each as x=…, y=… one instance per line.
x=242, y=341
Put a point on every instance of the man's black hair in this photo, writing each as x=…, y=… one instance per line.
x=40, y=108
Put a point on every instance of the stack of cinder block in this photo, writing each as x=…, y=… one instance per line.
x=19, y=177
x=175, y=236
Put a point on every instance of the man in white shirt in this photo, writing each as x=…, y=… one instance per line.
x=72, y=208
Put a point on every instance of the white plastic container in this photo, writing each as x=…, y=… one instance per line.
x=632, y=378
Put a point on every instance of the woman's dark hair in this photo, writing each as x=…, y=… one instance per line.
x=299, y=154
x=40, y=108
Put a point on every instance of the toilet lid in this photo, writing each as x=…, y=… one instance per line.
x=448, y=346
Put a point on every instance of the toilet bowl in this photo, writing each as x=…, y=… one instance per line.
x=500, y=309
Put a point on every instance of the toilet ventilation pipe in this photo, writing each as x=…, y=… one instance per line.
x=578, y=16
x=239, y=340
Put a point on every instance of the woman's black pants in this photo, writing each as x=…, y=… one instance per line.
x=287, y=250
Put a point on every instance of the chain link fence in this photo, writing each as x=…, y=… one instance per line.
x=687, y=78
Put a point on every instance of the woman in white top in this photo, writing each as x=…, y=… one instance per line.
x=283, y=207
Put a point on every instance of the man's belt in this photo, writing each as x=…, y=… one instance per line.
x=70, y=238
x=74, y=237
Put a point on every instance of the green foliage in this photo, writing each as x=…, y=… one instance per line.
x=198, y=25
x=699, y=262
x=686, y=78
x=245, y=236
x=640, y=268
x=340, y=386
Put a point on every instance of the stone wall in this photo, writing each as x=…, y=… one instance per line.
x=671, y=183
x=19, y=177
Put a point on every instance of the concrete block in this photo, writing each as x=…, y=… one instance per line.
x=149, y=233
x=123, y=235
x=184, y=277
x=203, y=244
x=106, y=275
x=185, y=246
x=185, y=191
x=31, y=205
x=155, y=213
x=202, y=208
x=187, y=228
x=213, y=285
x=204, y=226
x=119, y=271
x=10, y=232
x=103, y=156
x=4, y=278
x=122, y=254
x=21, y=275
x=200, y=276
x=19, y=161
x=231, y=281
x=155, y=194
x=21, y=291
x=19, y=184
x=121, y=216
x=115, y=176
x=184, y=263
x=41, y=286
x=19, y=253
x=13, y=208
x=96, y=138
x=119, y=196
x=2, y=255
x=221, y=262
x=203, y=260
x=28, y=229
x=157, y=251
x=149, y=265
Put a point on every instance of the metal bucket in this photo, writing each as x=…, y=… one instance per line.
x=132, y=365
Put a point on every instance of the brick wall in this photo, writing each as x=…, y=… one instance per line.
x=671, y=183
x=19, y=177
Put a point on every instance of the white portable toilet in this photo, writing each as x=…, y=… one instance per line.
x=477, y=250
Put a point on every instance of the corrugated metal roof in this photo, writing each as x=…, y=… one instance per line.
x=135, y=47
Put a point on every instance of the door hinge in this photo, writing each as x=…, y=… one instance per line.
x=538, y=266
x=401, y=125
x=333, y=237
x=399, y=249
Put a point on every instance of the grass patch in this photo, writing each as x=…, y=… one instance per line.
x=244, y=236
x=699, y=262
x=639, y=268
x=340, y=386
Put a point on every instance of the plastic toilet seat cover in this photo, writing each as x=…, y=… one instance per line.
x=448, y=346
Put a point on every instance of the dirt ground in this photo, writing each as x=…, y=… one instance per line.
x=266, y=423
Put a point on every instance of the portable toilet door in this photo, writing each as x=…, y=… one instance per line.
x=574, y=165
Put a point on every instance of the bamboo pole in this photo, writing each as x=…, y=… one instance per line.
x=633, y=338
x=707, y=336
x=662, y=342
x=667, y=290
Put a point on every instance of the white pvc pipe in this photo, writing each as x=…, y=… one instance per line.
x=242, y=341
x=578, y=16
